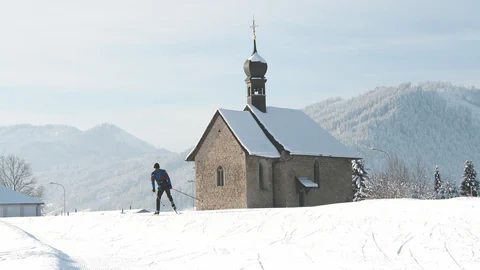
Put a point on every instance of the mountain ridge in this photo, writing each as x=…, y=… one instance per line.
x=102, y=168
x=428, y=123
x=105, y=167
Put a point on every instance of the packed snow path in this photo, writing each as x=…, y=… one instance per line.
x=21, y=250
x=381, y=234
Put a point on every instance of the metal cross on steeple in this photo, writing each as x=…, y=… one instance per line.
x=254, y=27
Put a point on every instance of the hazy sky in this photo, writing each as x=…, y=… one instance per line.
x=159, y=69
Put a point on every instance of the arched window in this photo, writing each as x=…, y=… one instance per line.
x=220, y=176
x=316, y=172
x=261, y=176
x=248, y=92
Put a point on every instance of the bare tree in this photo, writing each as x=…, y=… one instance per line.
x=398, y=181
x=16, y=174
x=421, y=186
x=393, y=183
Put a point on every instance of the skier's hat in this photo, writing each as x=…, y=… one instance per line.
x=156, y=166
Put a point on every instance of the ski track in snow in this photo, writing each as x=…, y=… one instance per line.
x=451, y=256
x=379, y=248
x=365, y=235
x=400, y=248
x=415, y=259
x=363, y=250
x=260, y=262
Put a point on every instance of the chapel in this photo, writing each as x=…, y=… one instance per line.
x=263, y=156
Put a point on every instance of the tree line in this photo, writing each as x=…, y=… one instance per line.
x=396, y=181
x=400, y=181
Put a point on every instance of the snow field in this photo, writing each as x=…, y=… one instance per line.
x=380, y=234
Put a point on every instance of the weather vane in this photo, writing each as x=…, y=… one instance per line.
x=254, y=27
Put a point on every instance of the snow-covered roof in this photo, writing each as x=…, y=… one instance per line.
x=299, y=134
x=307, y=182
x=8, y=196
x=248, y=133
x=256, y=58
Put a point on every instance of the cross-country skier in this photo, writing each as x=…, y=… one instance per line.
x=164, y=184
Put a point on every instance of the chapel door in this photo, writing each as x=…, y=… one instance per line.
x=302, y=198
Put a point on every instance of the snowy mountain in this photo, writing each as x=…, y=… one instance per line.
x=108, y=168
x=101, y=168
x=433, y=123
x=376, y=234
x=50, y=145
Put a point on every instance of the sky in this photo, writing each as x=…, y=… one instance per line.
x=160, y=69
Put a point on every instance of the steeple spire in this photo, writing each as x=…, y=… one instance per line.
x=255, y=68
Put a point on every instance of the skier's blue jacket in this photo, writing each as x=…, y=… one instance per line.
x=161, y=177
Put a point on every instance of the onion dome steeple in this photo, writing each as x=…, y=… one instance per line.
x=255, y=68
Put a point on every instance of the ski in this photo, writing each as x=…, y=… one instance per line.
x=174, y=209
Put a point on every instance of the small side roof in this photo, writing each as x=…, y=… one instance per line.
x=247, y=132
x=299, y=134
x=307, y=182
x=9, y=196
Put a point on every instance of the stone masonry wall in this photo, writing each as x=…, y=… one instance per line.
x=220, y=148
x=257, y=198
x=335, y=181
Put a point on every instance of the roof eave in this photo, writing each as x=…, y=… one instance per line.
x=245, y=149
x=30, y=203
x=323, y=155
x=191, y=155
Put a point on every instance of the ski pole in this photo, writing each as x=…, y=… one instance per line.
x=187, y=195
x=160, y=199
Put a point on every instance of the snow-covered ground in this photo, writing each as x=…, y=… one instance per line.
x=382, y=234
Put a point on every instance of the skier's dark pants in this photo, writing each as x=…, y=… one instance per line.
x=161, y=189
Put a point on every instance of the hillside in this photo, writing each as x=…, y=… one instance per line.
x=379, y=234
x=101, y=168
x=108, y=168
x=51, y=145
x=432, y=123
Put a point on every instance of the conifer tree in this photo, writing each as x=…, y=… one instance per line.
x=450, y=189
x=359, y=181
x=438, y=186
x=469, y=185
x=453, y=190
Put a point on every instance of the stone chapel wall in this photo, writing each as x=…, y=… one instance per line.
x=220, y=148
x=335, y=181
x=257, y=197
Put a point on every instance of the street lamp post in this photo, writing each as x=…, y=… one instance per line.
x=380, y=150
x=193, y=193
x=64, y=199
